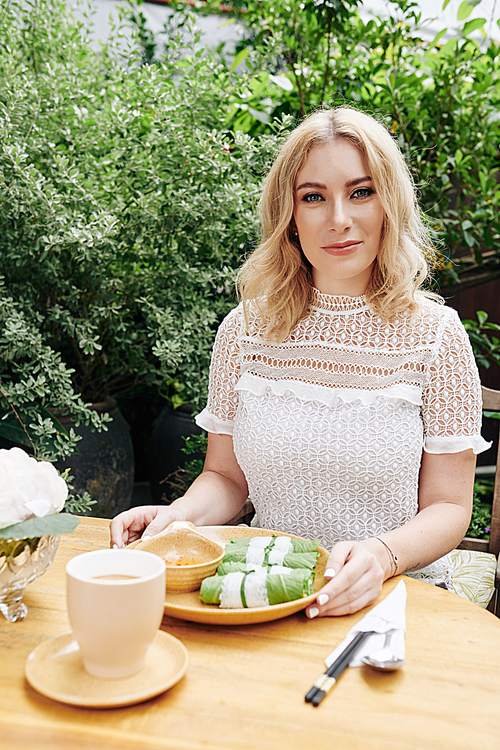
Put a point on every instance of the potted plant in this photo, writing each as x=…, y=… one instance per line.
x=126, y=209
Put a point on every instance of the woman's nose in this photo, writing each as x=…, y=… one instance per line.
x=340, y=219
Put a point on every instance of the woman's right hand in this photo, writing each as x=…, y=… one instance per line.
x=141, y=522
x=215, y=496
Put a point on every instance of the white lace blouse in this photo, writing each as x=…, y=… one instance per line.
x=329, y=426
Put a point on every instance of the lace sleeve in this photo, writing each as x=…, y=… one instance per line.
x=222, y=401
x=452, y=402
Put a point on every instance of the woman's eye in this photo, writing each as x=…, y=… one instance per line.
x=362, y=193
x=312, y=198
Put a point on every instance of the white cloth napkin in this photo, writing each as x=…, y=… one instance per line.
x=389, y=614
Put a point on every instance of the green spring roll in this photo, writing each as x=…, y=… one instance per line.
x=280, y=588
x=299, y=545
x=210, y=589
x=241, y=567
x=292, y=560
x=295, y=585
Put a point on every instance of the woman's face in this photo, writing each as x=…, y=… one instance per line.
x=339, y=217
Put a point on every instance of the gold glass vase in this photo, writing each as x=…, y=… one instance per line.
x=21, y=562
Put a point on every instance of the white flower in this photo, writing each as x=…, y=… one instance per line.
x=28, y=488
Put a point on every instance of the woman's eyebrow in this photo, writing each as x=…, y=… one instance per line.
x=318, y=185
x=358, y=180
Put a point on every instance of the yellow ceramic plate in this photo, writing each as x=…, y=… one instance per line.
x=55, y=669
x=188, y=606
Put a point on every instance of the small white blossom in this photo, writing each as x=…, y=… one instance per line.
x=28, y=488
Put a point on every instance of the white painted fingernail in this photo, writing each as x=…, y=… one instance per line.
x=329, y=573
x=313, y=612
x=323, y=599
x=115, y=546
x=146, y=536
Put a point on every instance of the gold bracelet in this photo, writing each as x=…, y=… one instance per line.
x=392, y=556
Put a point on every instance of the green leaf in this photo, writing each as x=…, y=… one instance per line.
x=469, y=240
x=492, y=414
x=14, y=432
x=240, y=57
x=57, y=523
x=445, y=4
x=177, y=401
x=438, y=36
x=11, y=428
x=470, y=26
x=282, y=81
x=482, y=316
x=448, y=48
x=260, y=116
x=464, y=11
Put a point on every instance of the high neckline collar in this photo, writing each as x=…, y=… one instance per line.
x=337, y=303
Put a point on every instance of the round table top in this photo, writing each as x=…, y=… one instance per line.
x=245, y=685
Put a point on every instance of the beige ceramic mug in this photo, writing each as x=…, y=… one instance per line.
x=115, y=605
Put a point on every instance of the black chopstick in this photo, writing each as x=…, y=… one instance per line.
x=327, y=680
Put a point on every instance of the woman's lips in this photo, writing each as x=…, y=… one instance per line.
x=342, y=248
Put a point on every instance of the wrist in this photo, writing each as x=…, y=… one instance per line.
x=190, y=509
x=380, y=553
x=180, y=510
x=393, y=560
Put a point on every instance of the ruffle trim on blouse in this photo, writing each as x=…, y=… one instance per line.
x=209, y=422
x=328, y=396
x=456, y=444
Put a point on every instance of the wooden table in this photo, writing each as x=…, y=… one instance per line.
x=245, y=685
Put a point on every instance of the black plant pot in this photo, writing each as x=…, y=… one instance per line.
x=165, y=449
x=104, y=466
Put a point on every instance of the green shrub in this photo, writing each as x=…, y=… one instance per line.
x=126, y=207
x=440, y=100
x=182, y=478
x=481, y=509
x=485, y=345
x=129, y=183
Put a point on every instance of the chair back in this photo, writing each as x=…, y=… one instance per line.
x=491, y=402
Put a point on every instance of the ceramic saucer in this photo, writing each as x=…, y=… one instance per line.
x=55, y=669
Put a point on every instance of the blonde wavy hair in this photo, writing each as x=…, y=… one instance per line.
x=277, y=278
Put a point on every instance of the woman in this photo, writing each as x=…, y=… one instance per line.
x=344, y=401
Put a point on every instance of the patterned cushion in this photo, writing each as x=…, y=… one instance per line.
x=474, y=575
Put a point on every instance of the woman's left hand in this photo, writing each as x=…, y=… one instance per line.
x=356, y=578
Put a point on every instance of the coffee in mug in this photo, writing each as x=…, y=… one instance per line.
x=114, y=577
x=115, y=605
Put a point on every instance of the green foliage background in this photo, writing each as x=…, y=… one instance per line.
x=129, y=180
x=440, y=99
x=126, y=207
